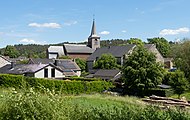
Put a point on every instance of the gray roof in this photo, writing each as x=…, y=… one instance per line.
x=67, y=64
x=5, y=58
x=78, y=48
x=106, y=73
x=25, y=68
x=40, y=61
x=148, y=46
x=117, y=51
x=64, y=64
x=22, y=68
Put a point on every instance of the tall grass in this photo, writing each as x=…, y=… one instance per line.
x=47, y=105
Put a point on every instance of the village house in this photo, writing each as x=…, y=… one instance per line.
x=68, y=66
x=76, y=50
x=4, y=61
x=41, y=68
x=120, y=53
x=33, y=70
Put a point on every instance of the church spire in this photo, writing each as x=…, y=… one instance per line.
x=94, y=39
x=93, y=31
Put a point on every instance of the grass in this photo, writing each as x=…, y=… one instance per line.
x=34, y=105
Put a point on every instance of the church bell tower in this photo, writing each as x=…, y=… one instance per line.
x=94, y=39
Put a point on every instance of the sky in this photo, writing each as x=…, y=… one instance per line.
x=57, y=21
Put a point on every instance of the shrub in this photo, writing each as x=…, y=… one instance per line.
x=66, y=87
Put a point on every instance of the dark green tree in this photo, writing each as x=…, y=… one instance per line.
x=81, y=63
x=106, y=61
x=162, y=45
x=11, y=51
x=178, y=82
x=141, y=71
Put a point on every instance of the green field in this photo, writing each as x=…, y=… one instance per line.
x=29, y=104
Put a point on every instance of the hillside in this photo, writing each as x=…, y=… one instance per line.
x=39, y=51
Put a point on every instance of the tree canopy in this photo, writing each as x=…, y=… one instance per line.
x=181, y=54
x=135, y=41
x=81, y=63
x=11, y=51
x=162, y=45
x=106, y=61
x=141, y=71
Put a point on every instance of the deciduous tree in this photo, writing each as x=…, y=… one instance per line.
x=106, y=61
x=141, y=71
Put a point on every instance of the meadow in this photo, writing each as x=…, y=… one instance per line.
x=29, y=104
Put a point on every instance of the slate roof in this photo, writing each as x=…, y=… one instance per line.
x=148, y=46
x=106, y=73
x=117, y=51
x=40, y=61
x=22, y=68
x=78, y=48
x=25, y=68
x=7, y=59
x=64, y=64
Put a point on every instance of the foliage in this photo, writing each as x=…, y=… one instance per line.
x=81, y=63
x=64, y=57
x=30, y=104
x=181, y=54
x=66, y=87
x=141, y=71
x=135, y=41
x=11, y=51
x=162, y=45
x=113, y=42
x=106, y=61
x=178, y=82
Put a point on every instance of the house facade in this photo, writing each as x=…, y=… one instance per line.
x=76, y=50
x=4, y=61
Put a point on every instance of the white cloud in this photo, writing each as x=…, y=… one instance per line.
x=31, y=41
x=69, y=23
x=26, y=40
x=174, y=31
x=104, y=32
x=45, y=25
x=124, y=31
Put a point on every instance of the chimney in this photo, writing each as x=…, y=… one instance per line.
x=56, y=62
x=12, y=65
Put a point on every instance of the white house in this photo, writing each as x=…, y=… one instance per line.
x=3, y=61
x=33, y=70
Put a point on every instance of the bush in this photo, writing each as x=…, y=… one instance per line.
x=66, y=87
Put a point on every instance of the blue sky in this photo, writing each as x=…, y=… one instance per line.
x=57, y=21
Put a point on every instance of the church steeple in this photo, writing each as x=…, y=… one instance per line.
x=93, y=31
x=94, y=39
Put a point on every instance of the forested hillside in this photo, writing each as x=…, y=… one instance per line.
x=39, y=51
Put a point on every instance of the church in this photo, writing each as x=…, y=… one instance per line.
x=76, y=50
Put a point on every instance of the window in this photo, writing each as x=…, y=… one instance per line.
x=53, y=72
x=46, y=73
x=96, y=42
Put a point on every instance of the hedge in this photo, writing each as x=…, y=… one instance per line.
x=63, y=86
